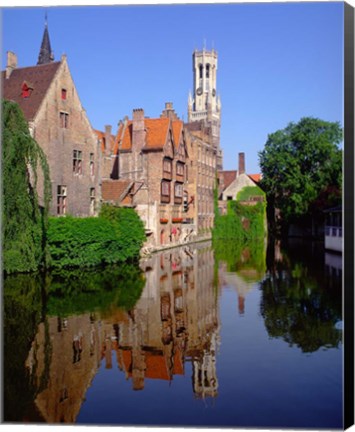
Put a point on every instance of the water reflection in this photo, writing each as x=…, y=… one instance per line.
x=300, y=302
x=159, y=323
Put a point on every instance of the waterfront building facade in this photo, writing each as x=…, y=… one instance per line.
x=151, y=156
x=47, y=95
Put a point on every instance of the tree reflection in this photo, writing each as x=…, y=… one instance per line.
x=77, y=291
x=22, y=297
x=242, y=256
x=298, y=303
x=32, y=303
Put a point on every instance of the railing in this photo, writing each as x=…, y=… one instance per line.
x=333, y=231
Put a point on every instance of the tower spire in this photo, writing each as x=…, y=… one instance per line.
x=45, y=52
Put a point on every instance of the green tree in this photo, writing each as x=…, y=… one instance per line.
x=24, y=222
x=300, y=165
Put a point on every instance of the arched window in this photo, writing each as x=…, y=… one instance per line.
x=208, y=70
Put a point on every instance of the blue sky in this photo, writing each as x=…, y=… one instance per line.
x=278, y=62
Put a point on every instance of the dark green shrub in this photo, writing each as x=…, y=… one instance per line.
x=115, y=236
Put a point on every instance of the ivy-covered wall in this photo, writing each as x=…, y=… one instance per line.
x=243, y=222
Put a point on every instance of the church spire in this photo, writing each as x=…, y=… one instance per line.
x=45, y=53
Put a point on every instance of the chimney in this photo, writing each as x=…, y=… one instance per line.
x=241, y=166
x=138, y=129
x=108, y=131
x=11, y=63
x=168, y=106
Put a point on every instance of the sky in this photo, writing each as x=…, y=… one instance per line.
x=277, y=62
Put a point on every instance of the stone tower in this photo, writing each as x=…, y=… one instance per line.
x=205, y=105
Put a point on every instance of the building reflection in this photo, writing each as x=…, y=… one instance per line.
x=174, y=322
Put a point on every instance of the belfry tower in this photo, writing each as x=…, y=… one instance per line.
x=205, y=104
x=45, y=53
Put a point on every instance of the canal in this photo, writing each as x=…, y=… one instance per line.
x=198, y=336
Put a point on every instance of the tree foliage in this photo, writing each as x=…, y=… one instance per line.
x=24, y=223
x=300, y=163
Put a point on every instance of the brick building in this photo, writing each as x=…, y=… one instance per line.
x=151, y=157
x=47, y=95
x=203, y=161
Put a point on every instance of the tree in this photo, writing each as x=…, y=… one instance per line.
x=24, y=222
x=300, y=164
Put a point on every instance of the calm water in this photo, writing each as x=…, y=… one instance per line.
x=201, y=336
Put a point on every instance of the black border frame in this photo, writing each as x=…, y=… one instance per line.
x=348, y=205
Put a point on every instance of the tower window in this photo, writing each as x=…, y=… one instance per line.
x=208, y=70
x=201, y=70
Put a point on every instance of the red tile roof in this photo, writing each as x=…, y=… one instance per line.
x=228, y=177
x=115, y=190
x=102, y=137
x=177, y=130
x=40, y=78
x=156, y=134
x=255, y=177
x=124, y=142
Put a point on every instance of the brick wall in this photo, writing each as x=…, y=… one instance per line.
x=59, y=143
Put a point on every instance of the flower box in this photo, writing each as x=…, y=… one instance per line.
x=163, y=220
x=177, y=220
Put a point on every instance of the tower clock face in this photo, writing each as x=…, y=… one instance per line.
x=199, y=91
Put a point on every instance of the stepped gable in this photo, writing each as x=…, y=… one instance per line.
x=38, y=78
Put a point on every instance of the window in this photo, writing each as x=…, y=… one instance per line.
x=26, y=91
x=167, y=165
x=77, y=162
x=61, y=200
x=64, y=120
x=207, y=70
x=201, y=70
x=165, y=191
x=92, y=201
x=178, y=190
x=179, y=168
x=64, y=94
x=92, y=164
